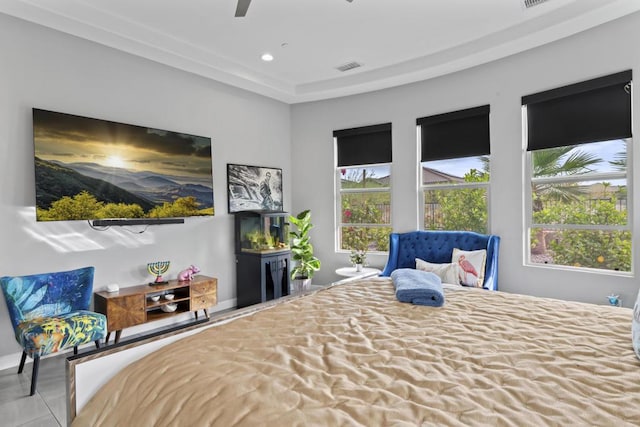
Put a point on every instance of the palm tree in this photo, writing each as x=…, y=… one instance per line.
x=553, y=162
x=620, y=162
x=559, y=161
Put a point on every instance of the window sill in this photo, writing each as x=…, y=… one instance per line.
x=614, y=273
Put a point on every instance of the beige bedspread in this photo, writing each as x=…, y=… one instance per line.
x=353, y=355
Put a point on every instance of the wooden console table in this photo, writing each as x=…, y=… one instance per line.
x=134, y=305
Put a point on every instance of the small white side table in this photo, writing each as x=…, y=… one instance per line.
x=351, y=272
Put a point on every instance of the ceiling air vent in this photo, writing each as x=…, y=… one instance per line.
x=531, y=3
x=348, y=66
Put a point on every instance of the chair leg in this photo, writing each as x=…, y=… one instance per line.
x=34, y=375
x=22, y=360
x=97, y=343
x=75, y=349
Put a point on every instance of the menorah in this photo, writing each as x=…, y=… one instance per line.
x=158, y=268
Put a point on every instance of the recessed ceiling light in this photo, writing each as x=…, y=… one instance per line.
x=267, y=57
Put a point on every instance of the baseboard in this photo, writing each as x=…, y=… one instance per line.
x=224, y=305
x=9, y=361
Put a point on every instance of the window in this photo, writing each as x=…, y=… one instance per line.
x=363, y=186
x=577, y=198
x=454, y=170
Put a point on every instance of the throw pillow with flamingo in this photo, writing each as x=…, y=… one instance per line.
x=471, y=266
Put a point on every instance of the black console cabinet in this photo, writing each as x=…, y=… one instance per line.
x=261, y=278
x=262, y=256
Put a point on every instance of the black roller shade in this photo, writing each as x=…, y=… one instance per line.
x=591, y=111
x=366, y=145
x=462, y=133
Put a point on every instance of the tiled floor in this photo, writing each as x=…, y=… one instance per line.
x=48, y=407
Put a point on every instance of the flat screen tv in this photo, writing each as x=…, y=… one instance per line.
x=91, y=169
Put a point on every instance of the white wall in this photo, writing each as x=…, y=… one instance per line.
x=47, y=69
x=606, y=49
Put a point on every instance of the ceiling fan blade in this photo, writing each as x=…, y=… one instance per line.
x=242, y=7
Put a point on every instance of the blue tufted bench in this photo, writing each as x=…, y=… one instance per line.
x=437, y=247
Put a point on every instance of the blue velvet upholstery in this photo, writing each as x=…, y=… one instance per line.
x=50, y=312
x=437, y=247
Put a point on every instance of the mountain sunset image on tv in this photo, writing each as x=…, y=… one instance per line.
x=88, y=169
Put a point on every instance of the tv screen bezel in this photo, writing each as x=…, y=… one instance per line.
x=96, y=126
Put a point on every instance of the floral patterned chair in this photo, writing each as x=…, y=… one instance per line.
x=49, y=313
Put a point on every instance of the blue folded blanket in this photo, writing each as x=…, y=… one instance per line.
x=418, y=287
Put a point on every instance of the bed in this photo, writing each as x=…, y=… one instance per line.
x=351, y=354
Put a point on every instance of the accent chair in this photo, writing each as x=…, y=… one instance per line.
x=50, y=312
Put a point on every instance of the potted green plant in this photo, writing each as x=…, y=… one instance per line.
x=306, y=264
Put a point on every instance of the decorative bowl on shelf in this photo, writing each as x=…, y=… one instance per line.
x=169, y=308
x=169, y=297
x=155, y=298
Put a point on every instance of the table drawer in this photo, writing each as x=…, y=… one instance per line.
x=199, y=302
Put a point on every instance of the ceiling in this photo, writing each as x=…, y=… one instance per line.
x=395, y=41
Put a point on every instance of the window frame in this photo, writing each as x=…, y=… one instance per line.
x=339, y=191
x=530, y=225
x=447, y=186
x=360, y=147
x=590, y=111
x=338, y=204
